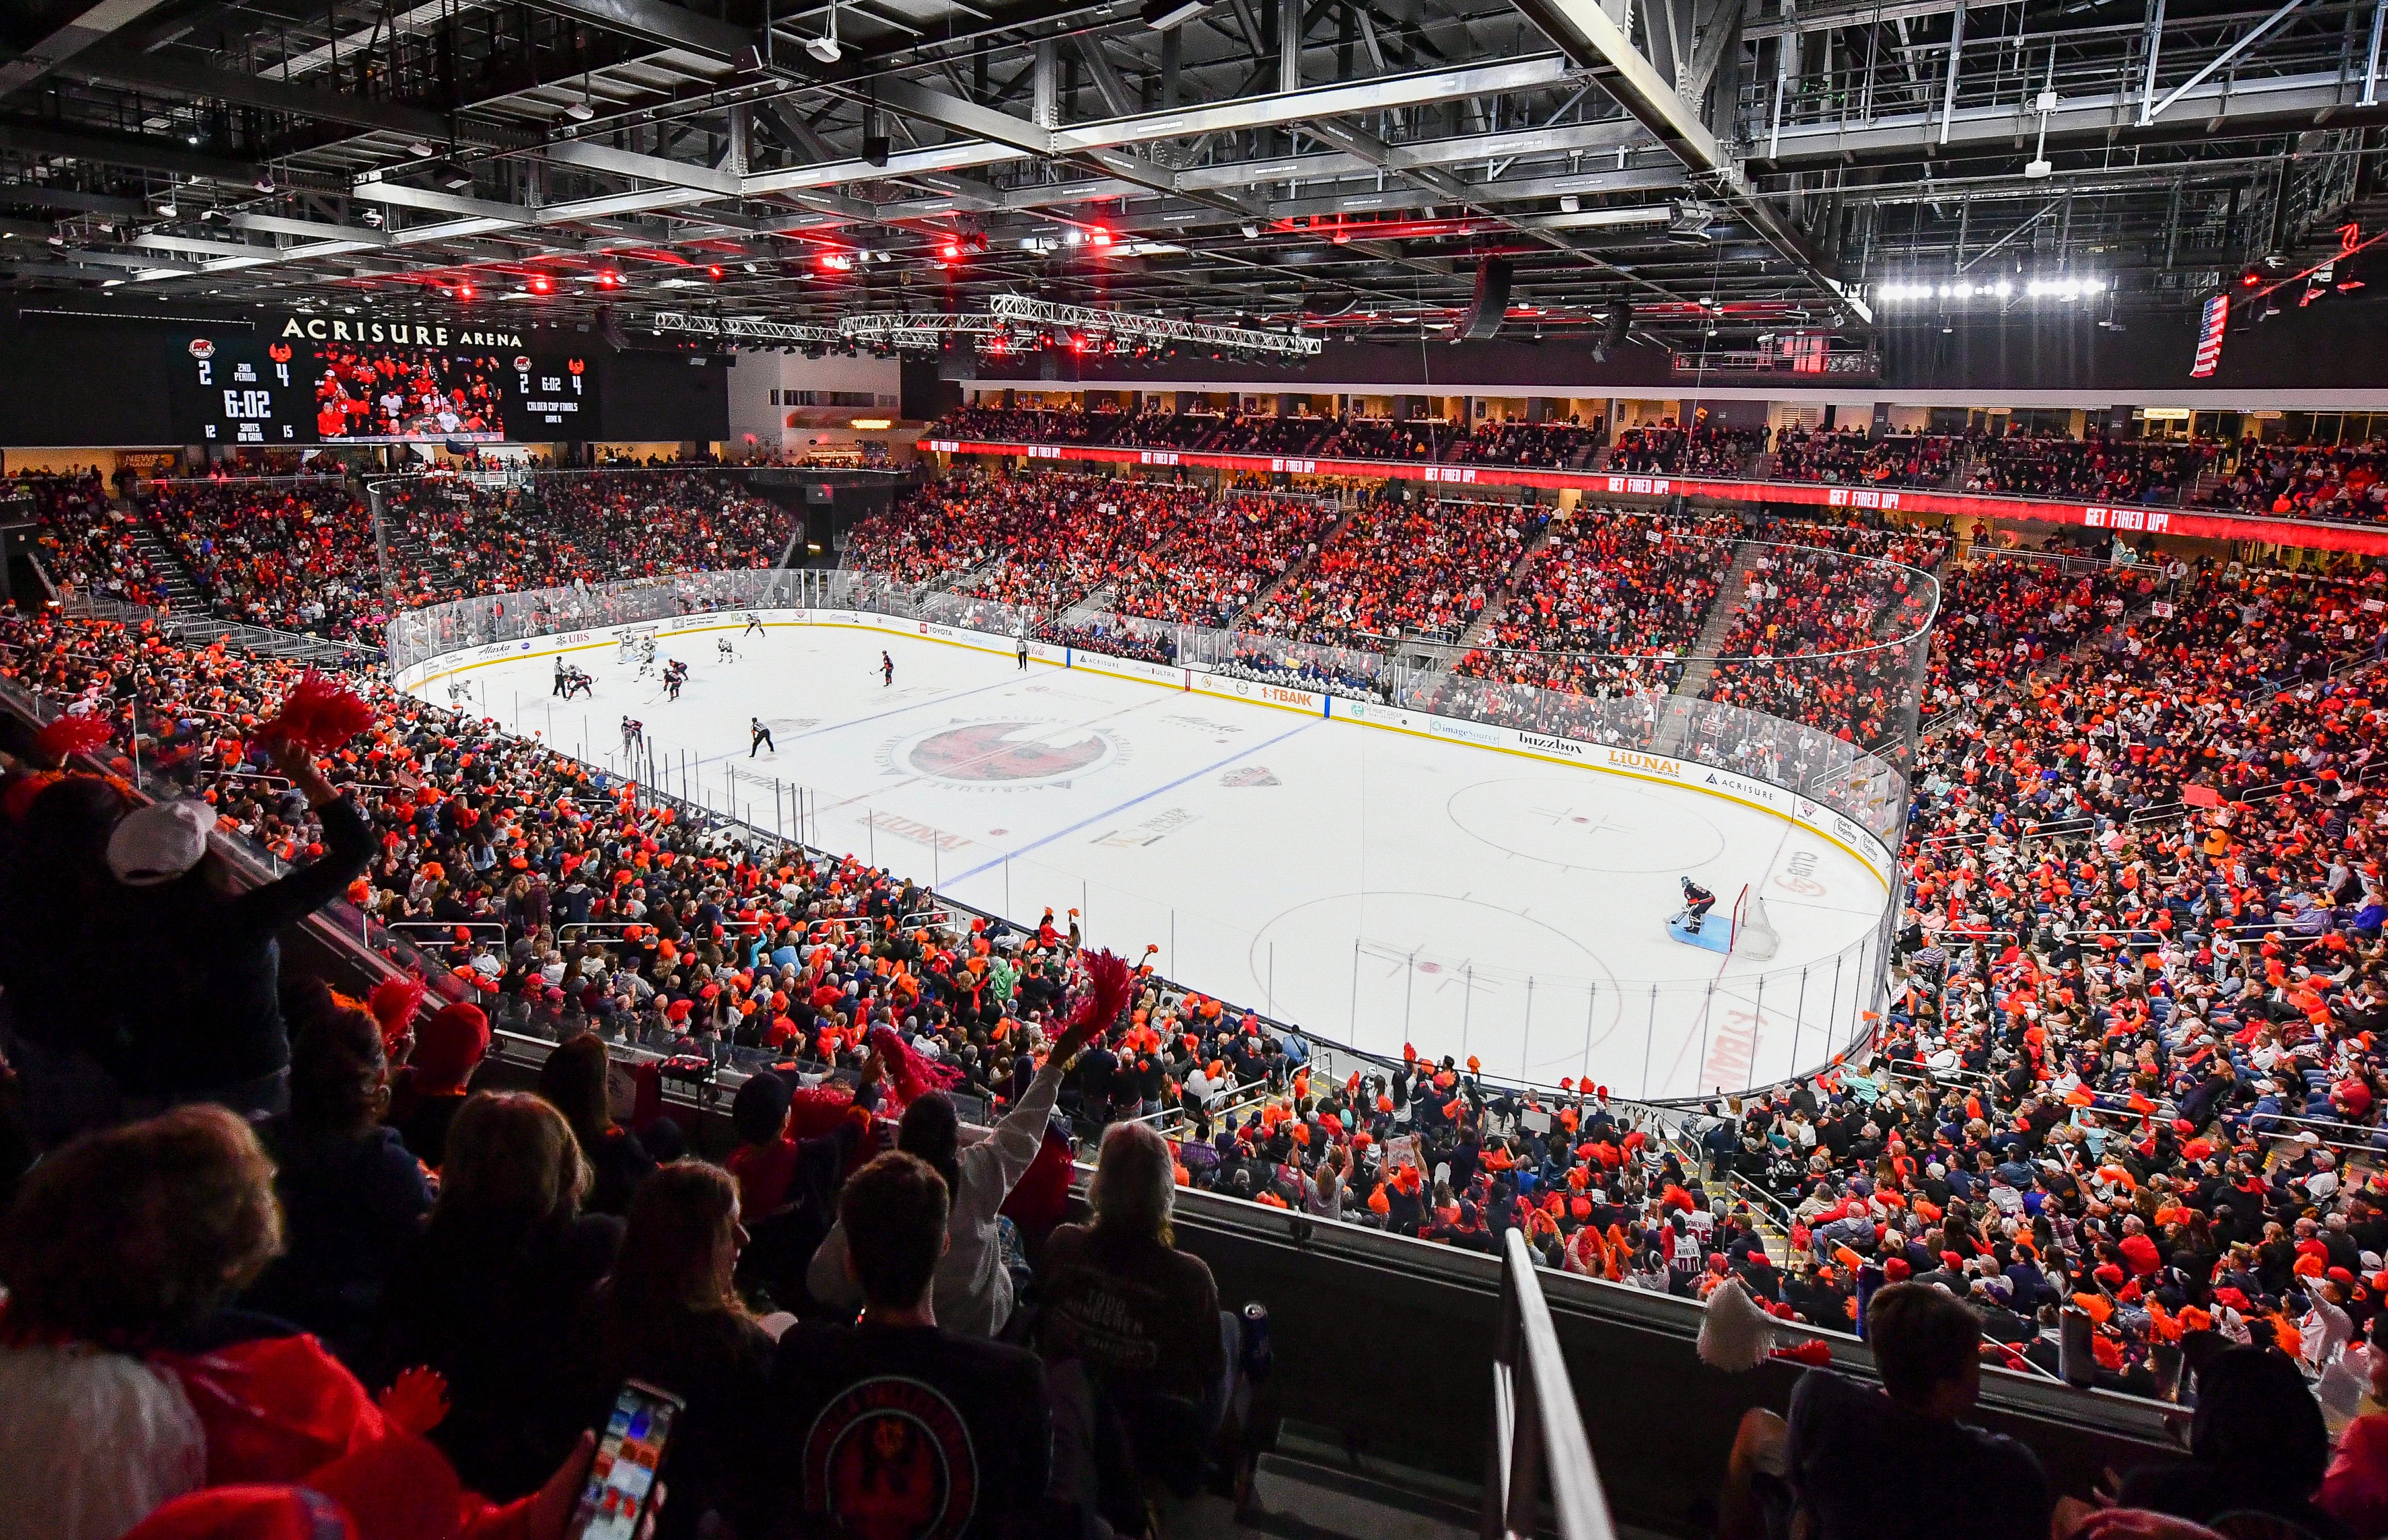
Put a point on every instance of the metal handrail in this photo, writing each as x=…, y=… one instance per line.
x=1537, y=1433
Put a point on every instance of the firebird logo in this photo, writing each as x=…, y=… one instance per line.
x=576, y=366
x=279, y=352
x=1007, y=753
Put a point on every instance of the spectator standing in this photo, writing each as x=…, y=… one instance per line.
x=974, y=1290
x=215, y=1029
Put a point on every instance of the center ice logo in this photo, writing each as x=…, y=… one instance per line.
x=1007, y=753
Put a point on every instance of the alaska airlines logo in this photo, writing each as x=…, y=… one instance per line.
x=1007, y=753
x=1626, y=759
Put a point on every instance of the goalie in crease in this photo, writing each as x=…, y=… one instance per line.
x=1698, y=901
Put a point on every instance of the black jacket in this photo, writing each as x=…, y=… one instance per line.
x=212, y=1014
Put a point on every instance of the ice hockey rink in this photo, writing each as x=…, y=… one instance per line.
x=1376, y=886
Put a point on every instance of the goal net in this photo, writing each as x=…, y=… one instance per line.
x=1753, y=934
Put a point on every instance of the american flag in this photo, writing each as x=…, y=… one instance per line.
x=2209, y=336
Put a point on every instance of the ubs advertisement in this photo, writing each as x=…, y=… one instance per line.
x=313, y=379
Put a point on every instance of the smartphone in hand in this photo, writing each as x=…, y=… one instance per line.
x=622, y=1478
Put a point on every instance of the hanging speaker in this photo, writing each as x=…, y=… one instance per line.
x=1621, y=321
x=1491, y=302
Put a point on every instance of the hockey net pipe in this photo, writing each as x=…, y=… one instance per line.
x=1753, y=935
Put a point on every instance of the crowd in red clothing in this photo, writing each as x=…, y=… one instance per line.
x=2341, y=483
x=2130, y=470
x=1611, y=596
x=1900, y=459
x=85, y=544
x=296, y=559
x=1400, y=569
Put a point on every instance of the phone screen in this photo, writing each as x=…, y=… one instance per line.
x=622, y=1477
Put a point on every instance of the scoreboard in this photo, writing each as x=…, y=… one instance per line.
x=310, y=380
x=242, y=390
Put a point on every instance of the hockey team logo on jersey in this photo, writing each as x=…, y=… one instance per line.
x=1006, y=753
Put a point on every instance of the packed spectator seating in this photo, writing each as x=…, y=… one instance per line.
x=2128, y=1099
x=1899, y=459
x=1707, y=449
x=2126, y=470
x=2341, y=483
x=297, y=557
x=1826, y=628
x=86, y=544
x=1554, y=445
x=1402, y=569
x=1222, y=556
x=1606, y=591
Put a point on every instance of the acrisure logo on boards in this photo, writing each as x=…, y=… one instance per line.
x=1629, y=759
x=1556, y=745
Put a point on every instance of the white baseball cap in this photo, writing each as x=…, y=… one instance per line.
x=160, y=842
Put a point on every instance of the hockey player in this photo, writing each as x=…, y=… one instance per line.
x=646, y=656
x=1698, y=901
x=634, y=733
x=758, y=736
x=722, y=651
x=563, y=680
x=886, y=671
x=1023, y=650
x=754, y=625
x=675, y=675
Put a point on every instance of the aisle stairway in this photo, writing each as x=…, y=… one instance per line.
x=183, y=593
x=1334, y=531
x=1496, y=604
x=1721, y=614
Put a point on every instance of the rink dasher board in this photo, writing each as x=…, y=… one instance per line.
x=1606, y=758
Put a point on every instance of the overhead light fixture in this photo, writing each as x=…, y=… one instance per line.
x=451, y=176
x=373, y=216
x=264, y=183
x=1162, y=15
x=418, y=147
x=1251, y=232
x=165, y=206
x=583, y=110
x=1570, y=203
x=825, y=47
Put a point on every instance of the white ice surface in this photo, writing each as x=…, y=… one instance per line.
x=1376, y=887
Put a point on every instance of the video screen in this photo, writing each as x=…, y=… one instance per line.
x=479, y=387
x=397, y=395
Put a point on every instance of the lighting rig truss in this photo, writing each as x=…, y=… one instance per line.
x=744, y=327
x=1147, y=328
x=916, y=328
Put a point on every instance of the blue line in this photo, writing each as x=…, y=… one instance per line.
x=951, y=882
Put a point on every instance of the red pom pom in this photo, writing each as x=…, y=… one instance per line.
x=320, y=715
x=1110, y=984
x=70, y=736
x=909, y=1076
x=392, y=1004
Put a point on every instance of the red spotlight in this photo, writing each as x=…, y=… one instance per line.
x=540, y=283
x=2250, y=280
x=608, y=278
x=713, y=273
x=1099, y=236
x=950, y=252
x=463, y=291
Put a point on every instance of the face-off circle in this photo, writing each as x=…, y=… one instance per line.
x=1004, y=752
